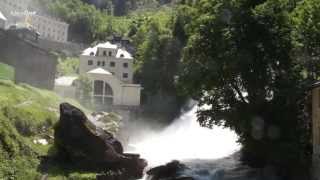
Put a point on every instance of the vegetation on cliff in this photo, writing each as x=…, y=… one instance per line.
x=27, y=115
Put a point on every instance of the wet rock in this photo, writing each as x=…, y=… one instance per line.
x=170, y=171
x=79, y=141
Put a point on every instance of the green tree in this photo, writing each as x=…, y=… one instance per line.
x=306, y=19
x=158, y=60
x=68, y=66
x=239, y=61
x=84, y=87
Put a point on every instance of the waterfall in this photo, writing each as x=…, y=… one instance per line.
x=185, y=139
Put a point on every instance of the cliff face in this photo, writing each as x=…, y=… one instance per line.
x=78, y=141
x=33, y=65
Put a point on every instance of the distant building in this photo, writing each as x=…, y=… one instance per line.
x=110, y=57
x=22, y=12
x=3, y=21
x=49, y=28
x=316, y=129
x=14, y=5
x=110, y=69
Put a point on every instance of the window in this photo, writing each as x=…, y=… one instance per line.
x=98, y=87
x=103, y=63
x=90, y=62
x=112, y=64
x=110, y=53
x=92, y=53
x=121, y=55
x=99, y=63
x=108, y=90
x=125, y=65
x=104, y=53
x=125, y=75
x=112, y=73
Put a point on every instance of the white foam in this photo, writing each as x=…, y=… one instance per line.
x=186, y=139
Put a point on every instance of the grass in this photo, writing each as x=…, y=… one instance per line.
x=26, y=114
x=6, y=72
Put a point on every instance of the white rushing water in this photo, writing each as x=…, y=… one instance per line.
x=185, y=139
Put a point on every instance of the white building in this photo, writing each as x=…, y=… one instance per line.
x=3, y=21
x=109, y=57
x=18, y=12
x=49, y=28
x=110, y=69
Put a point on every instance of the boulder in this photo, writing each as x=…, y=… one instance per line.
x=79, y=141
x=170, y=171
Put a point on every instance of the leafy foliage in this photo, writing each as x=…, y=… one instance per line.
x=306, y=33
x=68, y=66
x=157, y=63
x=239, y=61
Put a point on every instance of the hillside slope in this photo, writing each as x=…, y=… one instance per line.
x=27, y=114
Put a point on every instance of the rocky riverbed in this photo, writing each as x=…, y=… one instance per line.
x=228, y=168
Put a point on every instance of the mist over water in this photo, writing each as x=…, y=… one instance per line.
x=185, y=139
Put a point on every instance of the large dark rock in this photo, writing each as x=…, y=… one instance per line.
x=170, y=171
x=78, y=141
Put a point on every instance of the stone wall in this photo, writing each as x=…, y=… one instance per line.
x=33, y=65
x=68, y=48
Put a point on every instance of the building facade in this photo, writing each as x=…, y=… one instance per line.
x=14, y=5
x=23, y=13
x=49, y=28
x=109, y=57
x=111, y=70
x=316, y=130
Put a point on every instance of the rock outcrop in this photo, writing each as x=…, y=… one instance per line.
x=77, y=140
x=170, y=171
